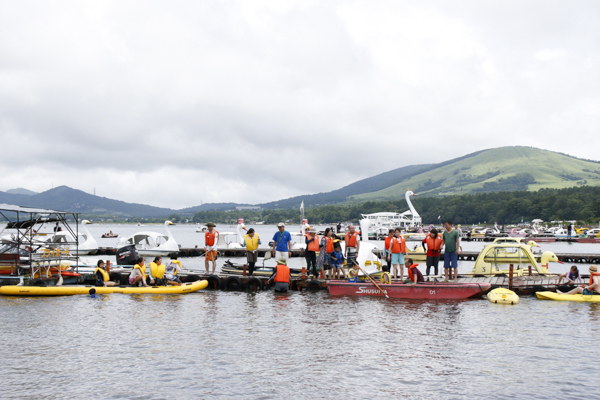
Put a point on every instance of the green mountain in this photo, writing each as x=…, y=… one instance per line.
x=494, y=170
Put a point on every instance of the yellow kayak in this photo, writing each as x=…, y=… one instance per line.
x=503, y=296
x=585, y=298
x=72, y=290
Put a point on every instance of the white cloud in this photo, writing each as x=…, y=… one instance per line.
x=253, y=101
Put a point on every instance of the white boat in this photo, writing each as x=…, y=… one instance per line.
x=232, y=240
x=151, y=244
x=87, y=245
x=389, y=220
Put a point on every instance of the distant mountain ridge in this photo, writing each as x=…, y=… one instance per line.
x=501, y=169
x=20, y=191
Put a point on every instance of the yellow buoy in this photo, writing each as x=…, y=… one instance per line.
x=503, y=296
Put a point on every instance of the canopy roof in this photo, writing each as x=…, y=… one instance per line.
x=32, y=210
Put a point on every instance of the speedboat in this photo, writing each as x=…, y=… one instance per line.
x=593, y=233
x=151, y=244
x=64, y=239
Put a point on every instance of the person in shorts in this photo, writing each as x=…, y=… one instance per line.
x=211, y=239
x=396, y=252
x=451, y=244
x=337, y=261
x=282, y=243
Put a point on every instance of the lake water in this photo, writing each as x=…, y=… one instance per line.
x=299, y=345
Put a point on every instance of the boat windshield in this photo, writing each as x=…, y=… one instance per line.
x=516, y=255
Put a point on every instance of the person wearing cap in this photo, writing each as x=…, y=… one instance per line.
x=352, y=241
x=282, y=243
x=251, y=243
x=211, y=238
x=594, y=285
x=312, y=247
x=281, y=276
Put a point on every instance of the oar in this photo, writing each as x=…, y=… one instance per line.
x=376, y=285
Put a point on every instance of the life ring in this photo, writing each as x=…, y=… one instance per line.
x=233, y=283
x=214, y=282
x=314, y=286
x=254, y=284
x=582, y=260
x=192, y=278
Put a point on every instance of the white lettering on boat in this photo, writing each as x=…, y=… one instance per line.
x=432, y=292
x=365, y=290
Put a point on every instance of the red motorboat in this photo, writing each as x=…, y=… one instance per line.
x=428, y=291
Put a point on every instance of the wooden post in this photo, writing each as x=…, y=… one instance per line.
x=244, y=269
x=510, y=277
x=530, y=270
x=108, y=266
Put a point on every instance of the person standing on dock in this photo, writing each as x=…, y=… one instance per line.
x=327, y=247
x=251, y=243
x=211, y=239
x=396, y=252
x=451, y=244
x=281, y=275
x=352, y=241
x=312, y=247
x=569, y=231
x=388, y=240
x=432, y=244
x=282, y=243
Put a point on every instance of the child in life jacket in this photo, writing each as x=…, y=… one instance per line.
x=337, y=261
x=353, y=272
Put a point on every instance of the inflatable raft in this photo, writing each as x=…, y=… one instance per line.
x=73, y=290
x=585, y=298
x=503, y=296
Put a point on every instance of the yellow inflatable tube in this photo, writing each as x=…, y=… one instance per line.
x=503, y=296
x=73, y=290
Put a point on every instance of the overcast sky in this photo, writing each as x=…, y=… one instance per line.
x=171, y=103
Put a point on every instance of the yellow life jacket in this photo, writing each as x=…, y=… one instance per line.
x=176, y=262
x=142, y=269
x=385, y=278
x=251, y=242
x=157, y=270
x=104, y=273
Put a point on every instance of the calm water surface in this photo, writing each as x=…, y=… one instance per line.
x=302, y=345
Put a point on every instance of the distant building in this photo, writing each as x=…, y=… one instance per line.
x=242, y=208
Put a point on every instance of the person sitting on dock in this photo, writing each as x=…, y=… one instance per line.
x=337, y=261
x=353, y=271
x=432, y=244
x=138, y=274
x=414, y=274
x=171, y=271
x=396, y=252
x=592, y=289
x=156, y=272
x=251, y=243
x=102, y=277
x=352, y=241
x=282, y=243
x=211, y=239
x=572, y=277
x=312, y=247
x=281, y=276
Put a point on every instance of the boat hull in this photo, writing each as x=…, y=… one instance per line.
x=74, y=290
x=426, y=291
x=582, y=298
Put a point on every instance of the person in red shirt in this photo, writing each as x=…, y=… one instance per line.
x=432, y=244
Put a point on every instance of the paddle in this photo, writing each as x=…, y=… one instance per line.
x=372, y=280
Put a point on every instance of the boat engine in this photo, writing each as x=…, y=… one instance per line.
x=127, y=255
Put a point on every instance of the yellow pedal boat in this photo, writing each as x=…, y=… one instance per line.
x=73, y=290
x=503, y=296
x=583, y=298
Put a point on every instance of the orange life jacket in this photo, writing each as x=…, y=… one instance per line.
x=351, y=239
x=410, y=271
x=209, y=238
x=592, y=275
x=328, y=244
x=387, y=242
x=399, y=245
x=283, y=273
x=434, y=245
x=314, y=245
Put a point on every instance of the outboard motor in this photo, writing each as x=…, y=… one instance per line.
x=127, y=255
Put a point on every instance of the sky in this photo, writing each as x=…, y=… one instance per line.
x=179, y=103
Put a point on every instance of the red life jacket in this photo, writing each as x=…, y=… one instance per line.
x=209, y=238
x=410, y=271
x=399, y=245
x=314, y=245
x=433, y=246
x=351, y=239
x=328, y=244
x=592, y=275
x=283, y=273
x=387, y=242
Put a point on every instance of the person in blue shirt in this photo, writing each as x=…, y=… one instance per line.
x=282, y=243
x=337, y=261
